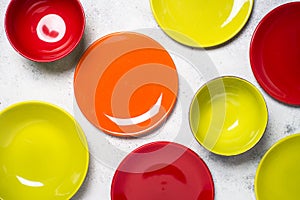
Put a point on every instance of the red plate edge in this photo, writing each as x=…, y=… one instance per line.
x=255, y=73
x=164, y=143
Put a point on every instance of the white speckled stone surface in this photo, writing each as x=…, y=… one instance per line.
x=21, y=80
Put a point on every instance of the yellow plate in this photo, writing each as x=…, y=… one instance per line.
x=228, y=116
x=278, y=174
x=43, y=153
x=201, y=23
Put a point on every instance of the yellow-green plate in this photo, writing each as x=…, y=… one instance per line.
x=278, y=174
x=228, y=116
x=201, y=23
x=43, y=153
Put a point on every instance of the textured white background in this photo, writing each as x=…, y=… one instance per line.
x=21, y=79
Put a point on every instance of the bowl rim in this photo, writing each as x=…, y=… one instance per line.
x=55, y=58
x=264, y=124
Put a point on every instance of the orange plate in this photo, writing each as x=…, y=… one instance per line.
x=126, y=84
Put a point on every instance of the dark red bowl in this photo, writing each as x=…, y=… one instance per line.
x=44, y=30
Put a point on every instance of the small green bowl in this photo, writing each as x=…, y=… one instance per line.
x=228, y=116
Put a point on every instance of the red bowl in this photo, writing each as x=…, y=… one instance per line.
x=44, y=30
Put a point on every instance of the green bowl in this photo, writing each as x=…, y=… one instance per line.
x=228, y=116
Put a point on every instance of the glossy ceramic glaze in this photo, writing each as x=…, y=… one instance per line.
x=228, y=116
x=162, y=171
x=43, y=153
x=278, y=174
x=44, y=30
x=275, y=53
x=126, y=84
x=201, y=23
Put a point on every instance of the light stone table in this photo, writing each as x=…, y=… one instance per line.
x=22, y=80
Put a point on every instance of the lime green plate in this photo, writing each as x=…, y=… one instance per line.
x=43, y=153
x=201, y=23
x=228, y=116
x=278, y=174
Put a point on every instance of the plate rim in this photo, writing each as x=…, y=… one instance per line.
x=210, y=44
x=144, y=132
x=266, y=88
x=265, y=156
x=174, y=144
x=81, y=135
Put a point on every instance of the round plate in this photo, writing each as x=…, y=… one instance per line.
x=228, y=116
x=43, y=153
x=162, y=171
x=44, y=30
x=278, y=176
x=275, y=52
x=201, y=23
x=126, y=84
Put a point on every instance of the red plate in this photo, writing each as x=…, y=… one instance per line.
x=162, y=171
x=275, y=53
